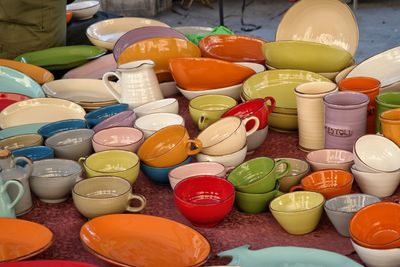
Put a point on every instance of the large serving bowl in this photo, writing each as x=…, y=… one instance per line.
x=105, y=33
x=13, y=81
x=231, y=91
x=377, y=226
x=38, y=74
x=330, y=159
x=204, y=200
x=234, y=48
x=378, y=257
x=84, y=9
x=305, y=55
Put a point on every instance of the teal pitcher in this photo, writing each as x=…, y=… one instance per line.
x=6, y=206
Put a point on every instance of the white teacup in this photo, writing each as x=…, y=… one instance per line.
x=151, y=123
x=167, y=105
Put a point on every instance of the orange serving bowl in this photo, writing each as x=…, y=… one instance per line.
x=377, y=226
x=160, y=50
x=40, y=75
x=69, y=16
x=197, y=74
x=234, y=48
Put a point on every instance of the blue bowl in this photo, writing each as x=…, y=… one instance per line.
x=61, y=126
x=34, y=153
x=160, y=175
x=96, y=116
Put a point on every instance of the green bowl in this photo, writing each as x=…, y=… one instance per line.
x=384, y=102
x=283, y=122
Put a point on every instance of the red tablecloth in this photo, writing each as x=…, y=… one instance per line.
x=237, y=229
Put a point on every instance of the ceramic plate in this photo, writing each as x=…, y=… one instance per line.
x=40, y=110
x=63, y=57
x=22, y=239
x=20, y=130
x=7, y=99
x=94, y=69
x=287, y=257
x=328, y=22
x=38, y=74
x=279, y=84
x=385, y=67
x=105, y=33
x=143, y=240
x=78, y=90
x=13, y=81
x=139, y=34
x=49, y=263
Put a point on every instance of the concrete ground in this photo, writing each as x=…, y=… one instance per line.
x=378, y=20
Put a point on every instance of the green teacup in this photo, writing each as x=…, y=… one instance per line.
x=207, y=109
x=385, y=101
x=256, y=203
x=258, y=175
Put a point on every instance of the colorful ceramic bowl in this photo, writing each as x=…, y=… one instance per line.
x=118, y=138
x=160, y=175
x=84, y=9
x=38, y=74
x=95, y=117
x=149, y=124
x=299, y=169
x=20, y=141
x=325, y=159
x=22, y=129
x=231, y=91
x=122, y=119
x=60, y=126
x=166, y=105
x=390, y=123
x=377, y=257
x=14, y=81
x=281, y=122
x=230, y=160
x=34, y=153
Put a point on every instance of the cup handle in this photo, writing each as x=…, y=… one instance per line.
x=255, y=127
x=273, y=103
x=81, y=160
x=142, y=200
x=28, y=166
x=296, y=187
x=201, y=123
x=285, y=171
x=197, y=143
x=20, y=191
x=108, y=85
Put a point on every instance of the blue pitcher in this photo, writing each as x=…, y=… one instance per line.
x=6, y=206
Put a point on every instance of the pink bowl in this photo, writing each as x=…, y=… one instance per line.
x=118, y=138
x=204, y=200
x=122, y=119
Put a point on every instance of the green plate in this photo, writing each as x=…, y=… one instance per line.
x=279, y=84
x=63, y=57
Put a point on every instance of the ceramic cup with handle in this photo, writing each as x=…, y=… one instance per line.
x=103, y=195
x=227, y=135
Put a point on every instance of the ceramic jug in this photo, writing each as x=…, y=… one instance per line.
x=10, y=171
x=6, y=206
x=137, y=83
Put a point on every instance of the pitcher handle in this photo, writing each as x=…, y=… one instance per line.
x=108, y=85
x=256, y=124
x=198, y=144
x=20, y=191
x=273, y=103
x=139, y=197
x=28, y=166
x=285, y=171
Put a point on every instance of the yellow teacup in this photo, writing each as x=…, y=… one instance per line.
x=390, y=124
x=118, y=163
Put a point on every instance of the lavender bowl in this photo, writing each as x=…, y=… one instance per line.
x=122, y=119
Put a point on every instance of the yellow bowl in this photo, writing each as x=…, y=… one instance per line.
x=283, y=122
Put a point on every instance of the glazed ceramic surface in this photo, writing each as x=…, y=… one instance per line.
x=390, y=123
x=305, y=55
x=7, y=99
x=330, y=159
x=61, y=126
x=189, y=73
x=122, y=119
x=34, y=153
x=123, y=138
x=230, y=160
x=231, y=91
x=20, y=141
x=160, y=175
x=38, y=74
x=94, y=69
x=13, y=81
x=234, y=48
x=106, y=33
x=298, y=169
x=174, y=242
x=63, y=57
x=255, y=203
x=255, y=140
x=39, y=110
x=166, y=105
x=23, y=239
x=84, y=9
x=149, y=124
x=95, y=117
x=283, y=122
x=286, y=257
x=328, y=22
x=20, y=130
x=377, y=257
x=386, y=101
x=49, y=263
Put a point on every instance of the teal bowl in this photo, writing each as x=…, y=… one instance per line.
x=160, y=175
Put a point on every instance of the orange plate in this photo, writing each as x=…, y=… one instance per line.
x=20, y=239
x=207, y=73
x=143, y=240
x=234, y=48
x=38, y=74
x=69, y=16
x=160, y=50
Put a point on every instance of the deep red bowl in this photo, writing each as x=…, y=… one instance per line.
x=7, y=99
x=204, y=200
x=255, y=107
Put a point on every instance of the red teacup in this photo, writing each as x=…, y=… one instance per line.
x=255, y=107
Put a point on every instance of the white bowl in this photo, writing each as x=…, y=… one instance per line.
x=375, y=153
x=256, y=139
x=325, y=159
x=380, y=184
x=151, y=123
x=167, y=105
x=230, y=161
x=378, y=257
x=84, y=9
x=232, y=91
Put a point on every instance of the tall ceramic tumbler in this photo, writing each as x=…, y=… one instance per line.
x=370, y=87
x=311, y=113
x=345, y=119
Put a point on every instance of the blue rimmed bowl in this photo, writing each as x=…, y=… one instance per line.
x=60, y=126
x=160, y=175
x=95, y=117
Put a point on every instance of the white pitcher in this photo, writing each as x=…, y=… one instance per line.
x=137, y=83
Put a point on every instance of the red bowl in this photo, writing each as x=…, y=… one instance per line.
x=256, y=107
x=7, y=99
x=204, y=200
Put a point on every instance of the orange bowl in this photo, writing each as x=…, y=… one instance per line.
x=234, y=48
x=160, y=50
x=377, y=226
x=69, y=16
x=197, y=74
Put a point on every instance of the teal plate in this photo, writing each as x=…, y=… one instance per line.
x=22, y=129
x=13, y=81
x=63, y=57
x=287, y=257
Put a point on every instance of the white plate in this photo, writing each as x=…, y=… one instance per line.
x=40, y=110
x=328, y=22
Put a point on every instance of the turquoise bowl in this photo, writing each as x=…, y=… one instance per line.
x=160, y=175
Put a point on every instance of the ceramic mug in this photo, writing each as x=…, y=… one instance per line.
x=207, y=109
x=310, y=113
x=386, y=101
x=105, y=195
x=390, y=124
x=227, y=135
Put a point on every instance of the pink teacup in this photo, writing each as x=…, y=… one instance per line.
x=118, y=138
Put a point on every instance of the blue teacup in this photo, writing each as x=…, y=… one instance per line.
x=60, y=126
x=95, y=117
x=160, y=175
